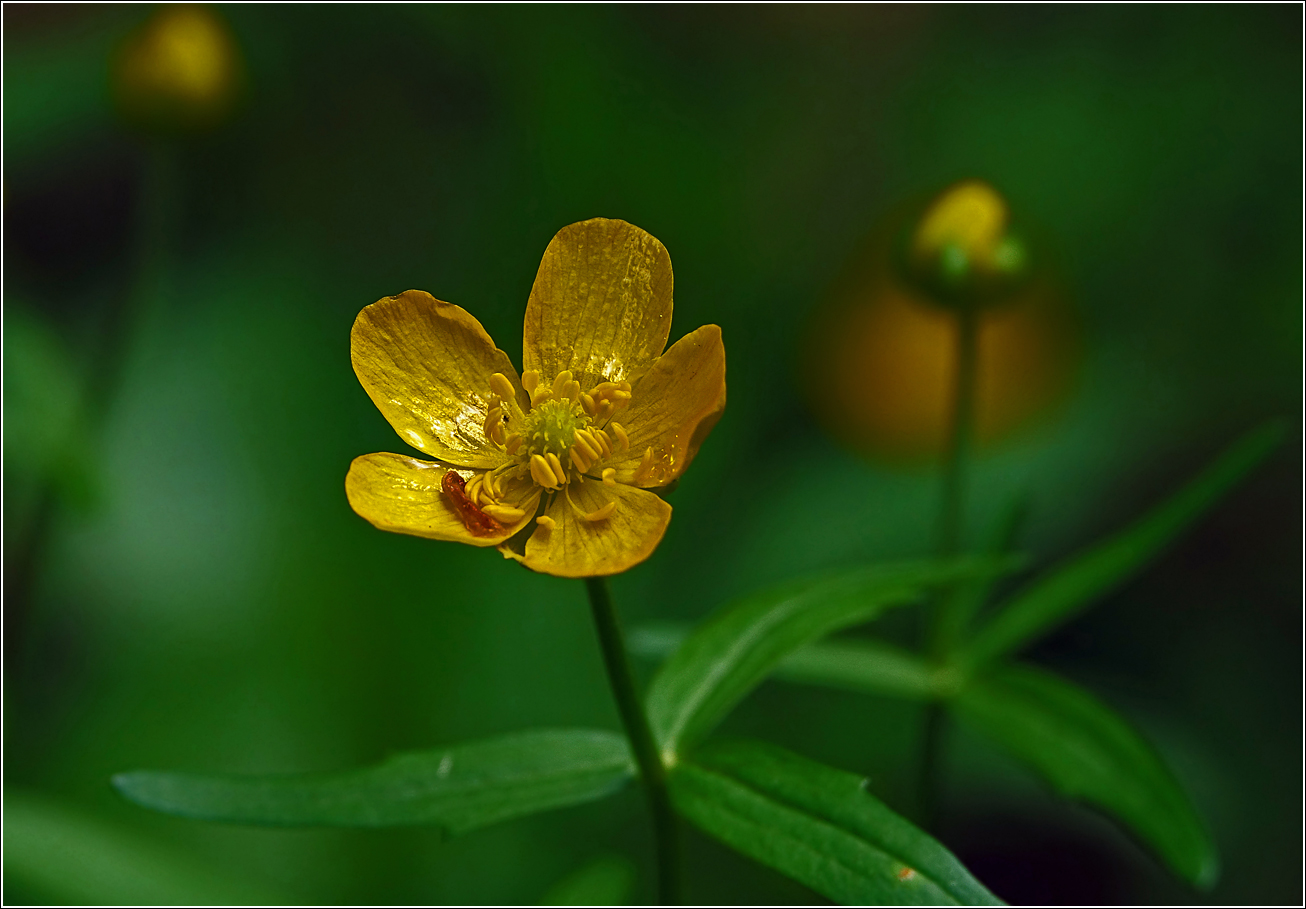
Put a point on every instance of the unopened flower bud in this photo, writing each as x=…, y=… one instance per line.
x=962, y=249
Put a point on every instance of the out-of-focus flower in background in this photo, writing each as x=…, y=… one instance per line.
x=879, y=365
x=180, y=71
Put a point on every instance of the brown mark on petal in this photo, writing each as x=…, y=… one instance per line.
x=477, y=522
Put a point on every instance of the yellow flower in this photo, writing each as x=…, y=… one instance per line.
x=553, y=466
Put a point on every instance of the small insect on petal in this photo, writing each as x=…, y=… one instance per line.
x=477, y=522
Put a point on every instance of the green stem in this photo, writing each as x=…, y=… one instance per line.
x=951, y=523
x=651, y=770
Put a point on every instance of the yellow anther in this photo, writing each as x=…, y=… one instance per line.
x=610, y=476
x=540, y=395
x=556, y=466
x=604, y=441
x=542, y=473
x=572, y=391
x=500, y=385
x=620, y=395
x=601, y=513
x=491, y=485
x=530, y=380
x=497, y=433
x=504, y=514
x=546, y=522
x=513, y=443
x=560, y=382
x=579, y=458
x=620, y=432
x=587, y=402
x=473, y=487
x=605, y=410
x=588, y=444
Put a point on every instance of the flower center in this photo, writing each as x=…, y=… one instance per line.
x=551, y=427
x=564, y=434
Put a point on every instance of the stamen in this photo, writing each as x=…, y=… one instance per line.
x=497, y=433
x=556, y=466
x=587, y=402
x=601, y=513
x=546, y=522
x=606, y=409
x=560, y=383
x=572, y=391
x=500, y=385
x=530, y=380
x=579, y=458
x=473, y=487
x=491, y=485
x=587, y=444
x=504, y=514
x=604, y=442
x=540, y=395
x=642, y=470
x=610, y=476
x=620, y=432
x=542, y=473
x=513, y=443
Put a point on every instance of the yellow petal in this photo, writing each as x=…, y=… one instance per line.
x=426, y=364
x=403, y=494
x=577, y=548
x=673, y=409
x=601, y=304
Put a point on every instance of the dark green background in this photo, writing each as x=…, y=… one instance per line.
x=206, y=600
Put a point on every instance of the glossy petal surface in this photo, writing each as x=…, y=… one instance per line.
x=426, y=364
x=576, y=548
x=403, y=495
x=600, y=305
x=674, y=407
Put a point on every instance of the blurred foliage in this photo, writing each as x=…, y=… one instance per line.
x=220, y=609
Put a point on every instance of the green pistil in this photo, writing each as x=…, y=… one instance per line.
x=551, y=427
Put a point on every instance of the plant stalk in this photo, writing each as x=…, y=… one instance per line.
x=951, y=523
x=651, y=770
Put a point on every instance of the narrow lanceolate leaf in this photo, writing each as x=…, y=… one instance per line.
x=860, y=664
x=1076, y=583
x=819, y=826
x=1088, y=751
x=727, y=656
x=456, y=789
x=867, y=665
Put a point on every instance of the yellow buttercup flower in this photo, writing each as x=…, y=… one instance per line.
x=555, y=465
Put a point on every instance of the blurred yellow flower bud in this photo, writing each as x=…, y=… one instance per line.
x=879, y=366
x=180, y=71
x=962, y=246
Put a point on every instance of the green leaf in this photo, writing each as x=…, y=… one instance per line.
x=606, y=881
x=861, y=664
x=68, y=856
x=867, y=665
x=730, y=653
x=1073, y=585
x=819, y=826
x=1088, y=751
x=458, y=788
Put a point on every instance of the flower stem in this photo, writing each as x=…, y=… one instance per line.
x=951, y=522
x=651, y=769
